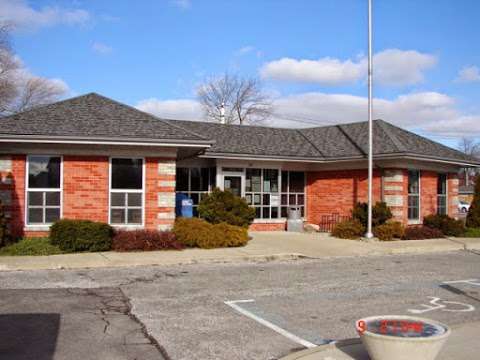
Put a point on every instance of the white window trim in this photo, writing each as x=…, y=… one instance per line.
x=110, y=190
x=38, y=226
x=419, y=220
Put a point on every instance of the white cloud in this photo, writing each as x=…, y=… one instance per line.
x=181, y=109
x=326, y=71
x=182, y=4
x=101, y=48
x=399, y=67
x=22, y=16
x=391, y=67
x=244, y=50
x=431, y=112
x=468, y=74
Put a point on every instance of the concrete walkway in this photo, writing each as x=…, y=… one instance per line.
x=264, y=246
x=463, y=344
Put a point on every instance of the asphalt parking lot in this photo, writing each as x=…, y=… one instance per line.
x=284, y=306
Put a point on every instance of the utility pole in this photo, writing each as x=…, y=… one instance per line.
x=369, y=233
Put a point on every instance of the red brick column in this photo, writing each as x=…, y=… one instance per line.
x=12, y=191
x=452, y=197
x=85, y=187
x=428, y=193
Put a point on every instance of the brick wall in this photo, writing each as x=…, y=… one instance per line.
x=12, y=190
x=428, y=193
x=452, y=197
x=85, y=190
x=160, y=193
x=395, y=190
x=268, y=226
x=85, y=187
x=331, y=192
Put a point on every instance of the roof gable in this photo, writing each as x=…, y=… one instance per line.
x=93, y=116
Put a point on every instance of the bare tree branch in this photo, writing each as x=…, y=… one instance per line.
x=19, y=90
x=243, y=99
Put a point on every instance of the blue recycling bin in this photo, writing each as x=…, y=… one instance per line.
x=183, y=206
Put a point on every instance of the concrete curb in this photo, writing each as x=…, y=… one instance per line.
x=111, y=263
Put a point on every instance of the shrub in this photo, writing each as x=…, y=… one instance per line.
x=421, y=232
x=145, y=240
x=389, y=231
x=349, y=229
x=199, y=233
x=472, y=232
x=447, y=225
x=31, y=246
x=380, y=213
x=473, y=216
x=222, y=206
x=4, y=233
x=81, y=235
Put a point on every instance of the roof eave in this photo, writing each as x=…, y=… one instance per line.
x=105, y=141
x=407, y=156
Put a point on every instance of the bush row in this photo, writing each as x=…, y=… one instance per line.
x=196, y=232
x=85, y=235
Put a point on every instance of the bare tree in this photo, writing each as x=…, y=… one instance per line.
x=470, y=147
x=19, y=90
x=234, y=100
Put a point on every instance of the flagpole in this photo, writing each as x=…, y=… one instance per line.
x=369, y=233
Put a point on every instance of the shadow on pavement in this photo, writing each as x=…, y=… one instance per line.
x=28, y=336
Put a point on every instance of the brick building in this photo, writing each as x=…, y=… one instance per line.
x=93, y=158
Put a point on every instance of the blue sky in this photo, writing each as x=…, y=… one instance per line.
x=309, y=54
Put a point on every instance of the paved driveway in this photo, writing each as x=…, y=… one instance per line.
x=184, y=309
x=70, y=323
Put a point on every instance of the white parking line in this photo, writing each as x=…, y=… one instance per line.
x=475, y=282
x=288, y=335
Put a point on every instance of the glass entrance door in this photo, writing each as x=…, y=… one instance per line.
x=234, y=184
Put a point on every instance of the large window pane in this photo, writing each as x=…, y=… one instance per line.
x=195, y=179
x=182, y=179
x=270, y=180
x=297, y=181
x=44, y=172
x=413, y=194
x=127, y=174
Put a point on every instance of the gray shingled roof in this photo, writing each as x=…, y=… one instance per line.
x=320, y=143
x=94, y=116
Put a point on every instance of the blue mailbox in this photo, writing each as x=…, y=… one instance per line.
x=183, y=206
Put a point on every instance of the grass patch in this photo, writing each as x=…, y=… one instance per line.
x=472, y=232
x=31, y=246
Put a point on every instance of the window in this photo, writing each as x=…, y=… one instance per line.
x=43, y=189
x=262, y=192
x=293, y=191
x=195, y=183
x=126, y=191
x=442, y=194
x=413, y=195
